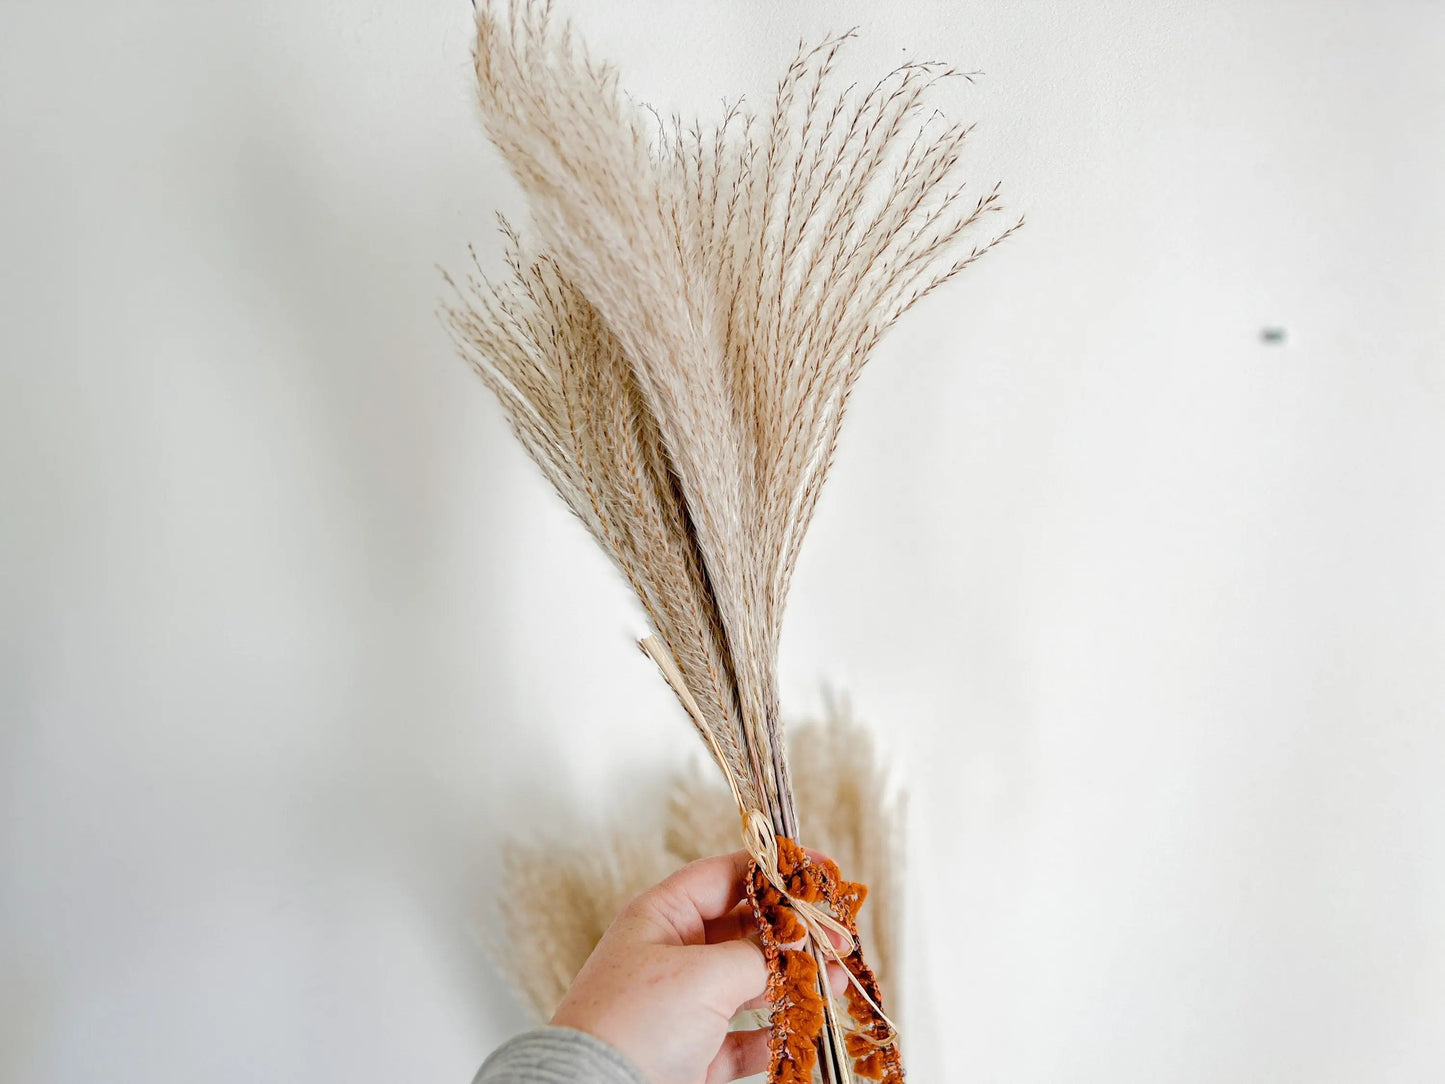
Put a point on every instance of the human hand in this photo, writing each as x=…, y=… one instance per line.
x=676, y=965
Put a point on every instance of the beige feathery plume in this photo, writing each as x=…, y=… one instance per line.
x=676, y=345
x=558, y=899
x=678, y=350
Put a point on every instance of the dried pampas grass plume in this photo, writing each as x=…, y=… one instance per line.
x=557, y=900
x=677, y=346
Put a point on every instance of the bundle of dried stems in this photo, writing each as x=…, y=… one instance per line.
x=677, y=345
x=559, y=893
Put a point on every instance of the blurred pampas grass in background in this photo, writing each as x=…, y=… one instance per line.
x=560, y=892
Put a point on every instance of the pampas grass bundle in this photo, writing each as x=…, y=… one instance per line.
x=676, y=342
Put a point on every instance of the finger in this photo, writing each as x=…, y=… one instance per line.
x=674, y=912
x=714, y=885
x=759, y=1002
x=837, y=986
x=739, y=922
x=730, y=974
x=743, y=1053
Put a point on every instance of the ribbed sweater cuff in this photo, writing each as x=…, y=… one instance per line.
x=557, y=1056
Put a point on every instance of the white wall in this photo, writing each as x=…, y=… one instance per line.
x=1153, y=614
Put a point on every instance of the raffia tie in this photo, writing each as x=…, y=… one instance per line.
x=762, y=846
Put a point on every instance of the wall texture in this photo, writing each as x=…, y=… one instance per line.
x=1152, y=612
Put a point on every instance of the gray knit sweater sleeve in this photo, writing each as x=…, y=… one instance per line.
x=556, y=1056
